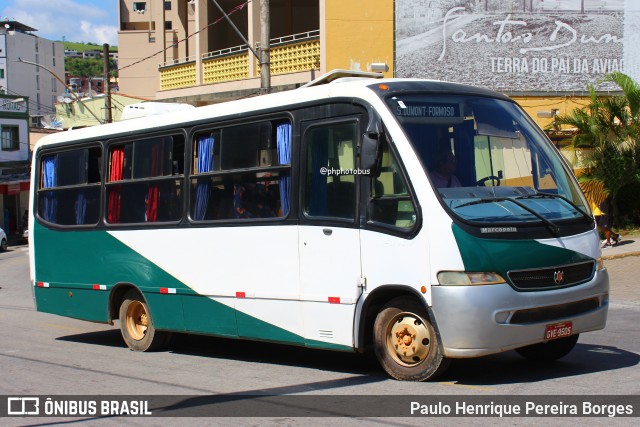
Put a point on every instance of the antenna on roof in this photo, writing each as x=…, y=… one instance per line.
x=338, y=74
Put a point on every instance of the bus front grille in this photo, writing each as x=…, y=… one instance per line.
x=552, y=278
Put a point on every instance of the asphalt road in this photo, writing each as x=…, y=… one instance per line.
x=42, y=354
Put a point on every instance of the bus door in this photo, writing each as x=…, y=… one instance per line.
x=329, y=238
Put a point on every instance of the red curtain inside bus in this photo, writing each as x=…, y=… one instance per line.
x=153, y=194
x=115, y=174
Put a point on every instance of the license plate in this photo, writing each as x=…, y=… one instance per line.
x=558, y=330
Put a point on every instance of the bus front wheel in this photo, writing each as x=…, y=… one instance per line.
x=549, y=351
x=136, y=325
x=406, y=343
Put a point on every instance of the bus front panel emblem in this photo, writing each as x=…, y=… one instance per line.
x=558, y=277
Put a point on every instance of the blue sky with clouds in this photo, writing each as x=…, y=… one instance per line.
x=93, y=21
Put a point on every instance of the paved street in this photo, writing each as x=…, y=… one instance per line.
x=46, y=354
x=622, y=262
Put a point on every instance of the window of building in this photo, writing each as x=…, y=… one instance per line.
x=69, y=187
x=167, y=5
x=242, y=172
x=54, y=85
x=10, y=138
x=1, y=73
x=331, y=147
x=139, y=6
x=144, y=180
x=168, y=25
x=37, y=82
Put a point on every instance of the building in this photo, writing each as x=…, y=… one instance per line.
x=14, y=161
x=72, y=53
x=71, y=114
x=26, y=80
x=543, y=53
x=204, y=60
x=82, y=86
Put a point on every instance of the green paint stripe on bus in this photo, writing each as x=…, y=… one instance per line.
x=73, y=257
x=501, y=256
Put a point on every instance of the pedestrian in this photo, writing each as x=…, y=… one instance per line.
x=604, y=220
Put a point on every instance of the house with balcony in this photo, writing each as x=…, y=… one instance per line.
x=187, y=50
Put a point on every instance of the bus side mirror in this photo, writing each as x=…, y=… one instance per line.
x=371, y=148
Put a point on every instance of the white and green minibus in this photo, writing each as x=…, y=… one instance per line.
x=420, y=220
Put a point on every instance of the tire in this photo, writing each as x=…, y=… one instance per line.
x=406, y=343
x=136, y=325
x=549, y=351
x=3, y=245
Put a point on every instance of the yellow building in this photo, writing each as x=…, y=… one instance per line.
x=201, y=59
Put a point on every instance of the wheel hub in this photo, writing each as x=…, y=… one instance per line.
x=137, y=320
x=409, y=339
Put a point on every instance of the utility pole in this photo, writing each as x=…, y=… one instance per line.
x=265, y=70
x=107, y=85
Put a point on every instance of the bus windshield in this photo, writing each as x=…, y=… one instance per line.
x=487, y=160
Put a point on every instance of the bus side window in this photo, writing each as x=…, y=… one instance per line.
x=330, y=182
x=390, y=202
x=222, y=190
x=142, y=185
x=69, y=192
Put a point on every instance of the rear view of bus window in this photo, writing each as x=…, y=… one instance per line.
x=69, y=187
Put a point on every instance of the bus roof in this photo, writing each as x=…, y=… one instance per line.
x=348, y=87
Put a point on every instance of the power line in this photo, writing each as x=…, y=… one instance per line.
x=234, y=10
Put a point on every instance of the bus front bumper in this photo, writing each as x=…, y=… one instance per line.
x=479, y=320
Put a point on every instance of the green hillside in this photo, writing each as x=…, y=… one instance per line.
x=81, y=47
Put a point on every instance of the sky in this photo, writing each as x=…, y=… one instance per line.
x=94, y=21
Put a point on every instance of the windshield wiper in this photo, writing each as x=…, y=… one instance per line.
x=540, y=195
x=553, y=227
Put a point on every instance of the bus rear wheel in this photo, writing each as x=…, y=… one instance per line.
x=136, y=325
x=406, y=343
x=549, y=351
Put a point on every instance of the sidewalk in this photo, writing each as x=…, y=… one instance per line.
x=628, y=246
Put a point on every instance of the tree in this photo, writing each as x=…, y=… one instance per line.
x=79, y=67
x=609, y=129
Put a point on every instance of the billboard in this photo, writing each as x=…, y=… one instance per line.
x=517, y=45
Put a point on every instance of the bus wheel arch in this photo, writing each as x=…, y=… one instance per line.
x=406, y=340
x=116, y=297
x=136, y=321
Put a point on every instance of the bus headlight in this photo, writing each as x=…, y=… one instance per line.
x=461, y=278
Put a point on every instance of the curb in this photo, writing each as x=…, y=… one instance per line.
x=623, y=255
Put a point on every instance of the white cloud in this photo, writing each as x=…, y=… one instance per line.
x=73, y=20
x=99, y=33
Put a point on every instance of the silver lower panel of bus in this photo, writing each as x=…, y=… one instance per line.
x=480, y=320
